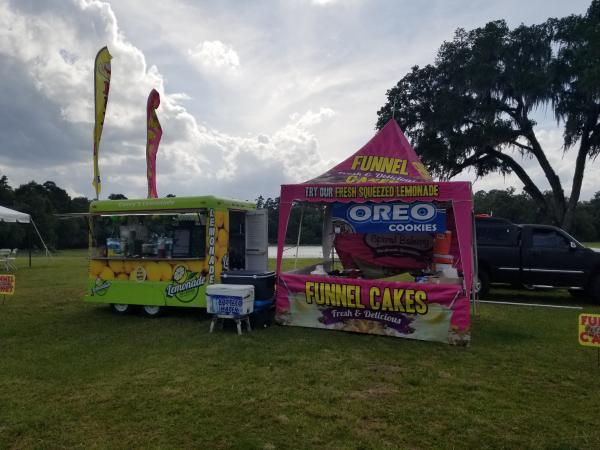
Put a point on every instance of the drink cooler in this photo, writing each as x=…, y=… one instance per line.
x=263, y=282
x=229, y=300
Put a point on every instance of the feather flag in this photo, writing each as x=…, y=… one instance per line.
x=101, y=86
x=153, y=135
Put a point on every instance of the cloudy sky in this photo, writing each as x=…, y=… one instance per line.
x=253, y=93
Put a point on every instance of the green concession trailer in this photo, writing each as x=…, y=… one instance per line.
x=165, y=251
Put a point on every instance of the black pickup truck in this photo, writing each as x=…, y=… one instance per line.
x=534, y=256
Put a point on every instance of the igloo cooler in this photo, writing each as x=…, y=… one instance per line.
x=263, y=282
x=230, y=300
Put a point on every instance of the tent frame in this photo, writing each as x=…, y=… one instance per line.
x=23, y=218
x=458, y=193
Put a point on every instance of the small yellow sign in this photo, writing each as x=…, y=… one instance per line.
x=589, y=330
x=7, y=284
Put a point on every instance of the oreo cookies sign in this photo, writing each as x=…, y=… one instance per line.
x=420, y=217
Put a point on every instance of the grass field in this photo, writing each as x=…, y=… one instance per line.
x=72, y=374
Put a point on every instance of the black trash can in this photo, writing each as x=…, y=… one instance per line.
x=263, y=282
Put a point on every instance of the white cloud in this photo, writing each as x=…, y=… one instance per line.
x=304, y=98
x=310, y=118
x=193, y=158
x=215, y=54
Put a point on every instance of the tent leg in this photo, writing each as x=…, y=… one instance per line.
x=299, y=233
x=29, y=242
x=41, y=239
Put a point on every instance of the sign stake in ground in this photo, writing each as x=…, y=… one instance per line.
x=589, y=332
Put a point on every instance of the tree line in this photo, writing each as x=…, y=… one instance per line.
x=505, y=203
x=44, y=201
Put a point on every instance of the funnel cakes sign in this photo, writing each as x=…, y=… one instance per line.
x=378, y=169
x=412, y=310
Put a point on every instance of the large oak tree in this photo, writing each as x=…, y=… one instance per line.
x=474, y=107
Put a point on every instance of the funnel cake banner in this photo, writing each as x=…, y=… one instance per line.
x=430, y=312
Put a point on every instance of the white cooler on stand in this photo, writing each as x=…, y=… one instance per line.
x=230, y=301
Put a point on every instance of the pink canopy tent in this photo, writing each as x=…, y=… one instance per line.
x=384, y=171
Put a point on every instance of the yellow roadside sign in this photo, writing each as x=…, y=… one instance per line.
x=589, y=330
x=7, y=284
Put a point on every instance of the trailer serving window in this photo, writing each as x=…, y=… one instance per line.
x=154, y=236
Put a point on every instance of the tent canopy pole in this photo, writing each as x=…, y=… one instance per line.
x=29, y=241
x=299, y=233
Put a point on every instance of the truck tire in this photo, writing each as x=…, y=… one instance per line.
x=483, y=283
x=579, y=293
x=595, y=289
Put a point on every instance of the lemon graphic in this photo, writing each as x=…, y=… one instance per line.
x=219, y=219
x=166, y=272
x=128, y=266
x=226, y=223
x=195, y=266
x=179, y=263
x=116, y=266
x=218, y=269
x=153, y=271
x=123, y=276
x=179, y=274
x=222, y=237
x=107, y=274
x=220, y=250
x=96, y=267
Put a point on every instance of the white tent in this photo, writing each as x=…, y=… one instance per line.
x=10, y=215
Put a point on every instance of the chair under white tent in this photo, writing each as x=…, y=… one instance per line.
x=12, y=216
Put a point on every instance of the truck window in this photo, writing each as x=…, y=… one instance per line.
x=494, y=234
x=547, y=238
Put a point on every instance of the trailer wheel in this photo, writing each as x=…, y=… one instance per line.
x=483, y=283
x=120, y=308
x=152, y=310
